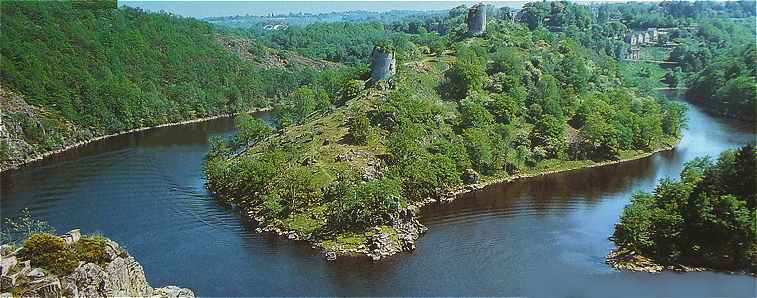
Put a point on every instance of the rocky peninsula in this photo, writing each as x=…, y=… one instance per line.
x=352, y=174
x=75, y=265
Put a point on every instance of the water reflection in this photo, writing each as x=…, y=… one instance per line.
x=545, y=236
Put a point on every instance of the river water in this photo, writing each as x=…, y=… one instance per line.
x=544, y=237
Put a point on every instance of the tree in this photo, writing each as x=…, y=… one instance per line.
x=549, y=135
x=481, y=148
x=510, y=61
x=505, y=108
x=533, y=14
x=251, y=129
x=466, y=75
x=702, y=220
x=296, y=107
x=600, y=140
x=474, y=114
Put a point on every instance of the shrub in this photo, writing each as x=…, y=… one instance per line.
x=357, y=207
x=91, y=250
x=351, y=90
x=251, y=129
x=360, y=129
x=49, y=251
x=23, y=227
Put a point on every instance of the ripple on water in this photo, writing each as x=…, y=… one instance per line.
x=538, y=237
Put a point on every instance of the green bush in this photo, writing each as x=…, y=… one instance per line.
x=351, y=90
x=360, y=206
x=91, y=250
x=251, y=129
x=360, y=129
x=49, y=252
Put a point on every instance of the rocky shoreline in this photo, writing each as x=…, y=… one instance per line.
x=407, y=227
x=14, y=165
x=626, y=259
x=405, y=230
x=120, y=276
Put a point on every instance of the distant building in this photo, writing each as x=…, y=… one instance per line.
x=642, y=37
x=514, y=15
x=655, y=33
x=276, y=26
x=633, y=54
x=631, y=38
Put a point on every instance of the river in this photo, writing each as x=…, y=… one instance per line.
x=541, y=237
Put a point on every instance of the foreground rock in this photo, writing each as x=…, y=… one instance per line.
x=121, y=276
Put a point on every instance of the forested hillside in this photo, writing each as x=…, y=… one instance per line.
x=70, y=74
x=710, y=45
x=350, y=175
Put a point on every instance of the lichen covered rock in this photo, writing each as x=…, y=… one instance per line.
x=120, y=276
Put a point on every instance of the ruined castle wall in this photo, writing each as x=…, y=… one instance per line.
x=383, y=64
x=477, y=19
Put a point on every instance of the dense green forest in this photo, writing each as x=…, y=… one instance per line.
x=71, y=74
x=708, y=218
x=514, y=102
x=704, y=41
x=711, y=45
x=727, y=84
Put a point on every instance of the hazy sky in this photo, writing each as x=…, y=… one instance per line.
x=210, y=8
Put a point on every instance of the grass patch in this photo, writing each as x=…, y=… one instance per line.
x=346, y=241
x=308, y=222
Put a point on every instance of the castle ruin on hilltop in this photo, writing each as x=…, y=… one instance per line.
x=477, y=19
x=383, y=63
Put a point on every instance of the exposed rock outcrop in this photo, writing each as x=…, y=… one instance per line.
x=22, y=126
x=401, y=236
x=121, y=276
x=470, y=176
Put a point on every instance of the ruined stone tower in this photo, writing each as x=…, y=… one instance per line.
x=477, y=19
x=383, y=63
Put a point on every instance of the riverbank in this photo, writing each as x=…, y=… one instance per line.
x=14, y=165
x=700, y=222
x=626, y=259
x=476, y=186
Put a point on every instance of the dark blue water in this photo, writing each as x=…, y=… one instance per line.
x=544, y=237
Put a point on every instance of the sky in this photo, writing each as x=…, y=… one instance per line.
x=210, y=8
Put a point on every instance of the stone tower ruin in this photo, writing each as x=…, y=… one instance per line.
x=477, y=19
x=383, y=63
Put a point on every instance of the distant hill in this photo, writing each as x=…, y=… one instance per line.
x=251, y=21
x=70, y=74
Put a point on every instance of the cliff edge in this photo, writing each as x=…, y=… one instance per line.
x=73, y=265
